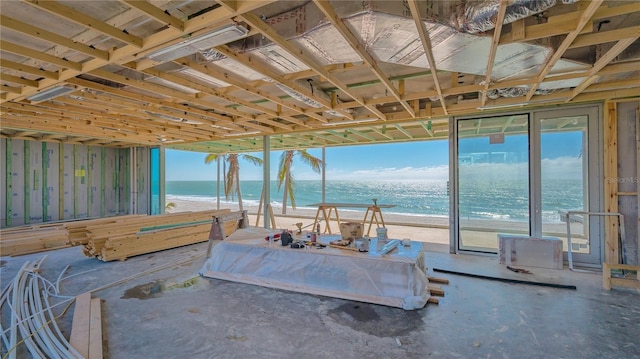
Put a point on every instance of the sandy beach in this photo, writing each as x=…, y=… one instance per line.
x=419, y=228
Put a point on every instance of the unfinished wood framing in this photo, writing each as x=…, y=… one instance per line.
x=609, y=281
x=611, y=182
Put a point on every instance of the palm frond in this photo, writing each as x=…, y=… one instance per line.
x=257, y=161
x=211, y=157
x=314, y=162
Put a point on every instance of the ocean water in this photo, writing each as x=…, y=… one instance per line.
x=503, y=200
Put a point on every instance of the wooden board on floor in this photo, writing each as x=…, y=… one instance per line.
x=95, y=330
x=80, y=327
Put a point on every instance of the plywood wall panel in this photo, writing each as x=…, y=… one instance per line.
x=3, y=179
x=51, y=187
x=95, y=180
x=142, y=180
x=45, y=181
x=33, y=171
x=123, y=188
x=68, y=181
x=110, y=179
x=17, y=183
x=81, y=189
x=627, y=179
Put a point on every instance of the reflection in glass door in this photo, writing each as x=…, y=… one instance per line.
x=492, y=180
x=520, y=174
x=568, y=179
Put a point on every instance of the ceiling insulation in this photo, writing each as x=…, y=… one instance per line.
x=299, y=66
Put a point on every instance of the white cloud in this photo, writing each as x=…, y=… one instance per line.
x=392, y=173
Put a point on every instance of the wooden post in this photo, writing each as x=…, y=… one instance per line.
x=611, y=182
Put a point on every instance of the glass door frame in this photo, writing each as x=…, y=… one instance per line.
x=595, y=174
x=594, y=168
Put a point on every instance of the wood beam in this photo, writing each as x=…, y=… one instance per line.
x=611, y=181
x=428, y=50
x=562, y=24
x=40, y=56
x=494, y=48
x=268, y=32
x=73, y=15
x=7, y=64
x=585, y=18
x=156, y=13
x=218, y=73
x=51, y=37
x=601, y=63
x=356, y=45
x=18, y=80
x=606, y=36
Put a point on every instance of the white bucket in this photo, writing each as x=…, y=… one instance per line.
x=382, y=234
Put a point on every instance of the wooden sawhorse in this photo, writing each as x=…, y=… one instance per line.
x=375, y=213
x=326, y=211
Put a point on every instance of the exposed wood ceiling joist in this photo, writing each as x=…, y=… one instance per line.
x=103, y=53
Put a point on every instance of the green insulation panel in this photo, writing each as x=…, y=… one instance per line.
x=18, y=187
x=5, y=202
x=109, y=183
x=46, y=181
x=68, y=182
x=95, y=182
x=50, y=183
x=33, y=168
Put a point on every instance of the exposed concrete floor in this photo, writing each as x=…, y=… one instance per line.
x=217, y=319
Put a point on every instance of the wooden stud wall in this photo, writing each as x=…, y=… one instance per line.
x=46, y=181
x=621, y=174
x=610, y=184
x=5, y=195
x=628, y=177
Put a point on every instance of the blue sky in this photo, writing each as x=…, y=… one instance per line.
x=400, y=161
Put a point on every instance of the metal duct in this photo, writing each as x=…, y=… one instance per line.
x=393, y=38
x=479, y=16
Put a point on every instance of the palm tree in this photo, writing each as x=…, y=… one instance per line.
x=285, y=176
x=232, y=177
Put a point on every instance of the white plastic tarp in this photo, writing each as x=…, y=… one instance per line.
x=397, y=279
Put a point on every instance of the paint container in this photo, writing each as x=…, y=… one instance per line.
x=382, y=234
x=373, y=245
x=313, y=237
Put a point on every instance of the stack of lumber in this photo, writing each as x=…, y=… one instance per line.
x=16, y=241
x=78, y=229
x=135, y=236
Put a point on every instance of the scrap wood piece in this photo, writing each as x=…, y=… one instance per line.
x=86, y=327
x=438, y=280
x=95, y=330
x=608, y=280
x=433, y=300
x=344, y=247
x=436, y=291
x=80, y=325
x=518, y=270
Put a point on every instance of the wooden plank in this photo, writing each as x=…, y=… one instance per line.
x=611, y=182
x=80, y=326
x=435, y=291
x=95, y=330
x=438, y=280
x=517, y=30
x=625, y=282
x=73, y=15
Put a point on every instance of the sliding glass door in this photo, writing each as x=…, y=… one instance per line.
x=568, y=175
x=493, y=180
x=521, y=173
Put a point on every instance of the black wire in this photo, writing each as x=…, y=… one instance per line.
x=516, y=281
